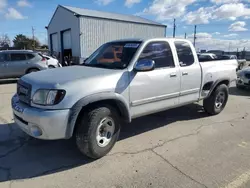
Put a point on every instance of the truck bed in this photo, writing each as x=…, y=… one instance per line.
x=213, y=71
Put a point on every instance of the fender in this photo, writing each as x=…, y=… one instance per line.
x=215, y=84
x=77, y=107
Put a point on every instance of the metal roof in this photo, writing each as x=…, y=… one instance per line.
x=112, y=16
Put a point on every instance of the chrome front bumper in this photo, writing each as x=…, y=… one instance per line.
x=39, y=123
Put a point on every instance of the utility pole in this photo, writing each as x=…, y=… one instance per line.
x=174, y=29
x=185, y=35
x=195, y=34
x=33, y=38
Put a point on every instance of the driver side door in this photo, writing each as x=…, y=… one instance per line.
x=159, y=89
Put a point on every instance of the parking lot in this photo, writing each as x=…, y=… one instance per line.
x=178, y=148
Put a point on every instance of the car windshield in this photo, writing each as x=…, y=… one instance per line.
x=114, y=55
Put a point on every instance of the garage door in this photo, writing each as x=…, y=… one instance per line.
x=54, y=40
x=67, y=39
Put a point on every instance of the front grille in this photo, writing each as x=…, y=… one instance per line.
x=24, y=91
x=247, y=75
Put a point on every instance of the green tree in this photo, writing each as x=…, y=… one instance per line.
x=4, y=41
x=23, y=42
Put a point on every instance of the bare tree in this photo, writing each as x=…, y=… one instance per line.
x=4, y=41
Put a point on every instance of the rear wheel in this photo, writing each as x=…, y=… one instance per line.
x=98, y=131
x=217, y=101
x=52, y=66
x=32, y=70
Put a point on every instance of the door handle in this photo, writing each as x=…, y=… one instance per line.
x=173, y=75
x=184, y=73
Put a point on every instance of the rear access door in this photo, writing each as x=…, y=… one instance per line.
x=190, y=71
x=3, y=66
x=17, y=63
x=158, y=89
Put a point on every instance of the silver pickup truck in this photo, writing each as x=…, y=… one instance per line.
x=120, y=81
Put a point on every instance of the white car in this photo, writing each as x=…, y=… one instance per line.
x=52, y=62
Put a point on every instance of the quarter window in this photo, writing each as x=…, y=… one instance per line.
x=185, y=54
x=160, y=53
x=17, y=57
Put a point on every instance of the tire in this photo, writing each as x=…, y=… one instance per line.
x=89, y=129
x=217, y=101
x=32, y=70
x=51, y=67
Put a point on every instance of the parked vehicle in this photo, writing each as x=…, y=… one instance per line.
x=91, y=101
x=207, y=57
x=212, y=57
x=52, y=62
x=243, y=78
x=241, y=62
x=16, y=63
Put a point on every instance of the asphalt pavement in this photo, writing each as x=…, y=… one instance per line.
x=179, y=148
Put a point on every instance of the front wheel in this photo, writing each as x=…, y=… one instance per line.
x=217, y=101
x=98, y=131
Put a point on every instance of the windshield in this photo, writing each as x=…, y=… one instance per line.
x=114, y=55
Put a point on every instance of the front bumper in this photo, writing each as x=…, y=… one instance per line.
x=243, y=81
x=39, y=123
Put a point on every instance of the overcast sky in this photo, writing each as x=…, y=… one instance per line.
x=221, y=24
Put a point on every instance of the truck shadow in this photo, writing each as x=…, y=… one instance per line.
x=23, y=157
x=8, y=81
x=239, y=92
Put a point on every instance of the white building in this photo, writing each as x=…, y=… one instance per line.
x=78, y=32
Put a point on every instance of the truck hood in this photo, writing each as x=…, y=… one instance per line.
x=52, y=78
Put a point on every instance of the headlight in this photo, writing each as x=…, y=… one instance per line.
x=48, y=97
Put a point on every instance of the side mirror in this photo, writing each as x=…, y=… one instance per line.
x=144, y=65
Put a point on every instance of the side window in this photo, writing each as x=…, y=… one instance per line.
x=160, y=52
x=185, y=54
x=17, y=57
x=30, y=56
x=2, y=59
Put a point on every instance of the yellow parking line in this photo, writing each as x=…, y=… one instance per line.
x=238, y=182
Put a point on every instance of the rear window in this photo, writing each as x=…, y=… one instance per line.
x=17, y=57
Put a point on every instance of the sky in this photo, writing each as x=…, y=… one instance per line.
x=221, y=24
